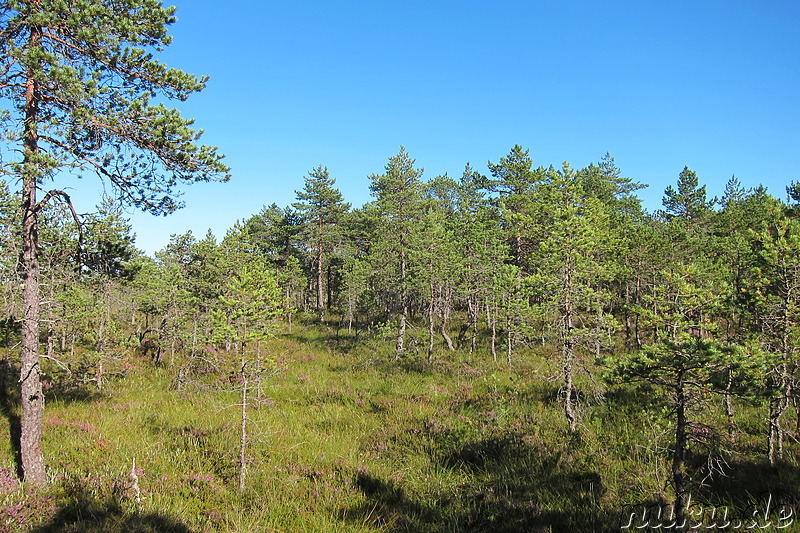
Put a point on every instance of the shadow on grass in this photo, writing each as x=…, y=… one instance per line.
x=389, y=508
x=82, y=512
x=9, y=408
x=69, y=391
x=10, y=405
x=633, y=399
x=326, y=337
x=510, y=487
x=746, y=483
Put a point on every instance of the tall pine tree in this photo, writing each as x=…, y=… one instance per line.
x=398, y=197
x=320, y=207
x=84, y=93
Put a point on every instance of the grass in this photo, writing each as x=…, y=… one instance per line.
x=348, y=439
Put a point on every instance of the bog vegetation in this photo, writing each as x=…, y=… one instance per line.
x=527, y=350
x=524, y=351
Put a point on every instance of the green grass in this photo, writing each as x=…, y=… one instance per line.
x=348, y=439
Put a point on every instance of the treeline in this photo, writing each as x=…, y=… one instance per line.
x=698, y=298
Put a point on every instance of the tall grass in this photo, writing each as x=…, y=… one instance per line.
x=345, y=438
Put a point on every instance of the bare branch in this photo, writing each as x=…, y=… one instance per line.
x=65, y=197
x=57, y=362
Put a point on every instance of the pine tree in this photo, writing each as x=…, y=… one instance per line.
x=441, y=264
x=273, y=232
x=85, y=94
x=745, y=216
x=685, y=360
x=251, y=299
x=320, y=208
x=604, y=181
x=478, y=238
x=514, y=180
x=572, y=238
x=398, y=194
x=775, y=296
x=689, y=201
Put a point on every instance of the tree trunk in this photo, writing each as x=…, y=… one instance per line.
x=678, y=474
x=568, y=358
x=31, y=397
x=780, y=403
x=401, y=330
x=493, y=320
x=320, y=281
x=443, y=330
x=447, y=339
x=431, y=326
x=329, y=286
x=350, y=312
x=509, y=338
x=569, y=406
x=243, y=429
x=470, y=326
x=259, y=391
x=568, y=347
x=775, y=448
x=636, y=331
x=729, y=413
x=49, y=333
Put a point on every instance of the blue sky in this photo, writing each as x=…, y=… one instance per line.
x=708, y=84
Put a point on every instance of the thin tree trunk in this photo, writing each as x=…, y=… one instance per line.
x=431, y=327
x=7, y=362
x=447, y=339
x=49, y=333
x=401, y=331
x=443, y=329
x=569, y=406
x=320, y=281
x=259, y=391
x=473, y=319
x=775, y=448
x=493, y=321
x=243, y=429
x=678, y=474
x=729, y=413
x=99, y=376
x=509, y=339
x=636, y=331
x=568, y=347
x=350, y=313
x=784, y=391
x=474, y=340
x=329, y=286
x=194, y=336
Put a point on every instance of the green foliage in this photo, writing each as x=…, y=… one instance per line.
x=110, y=243
x=320, y=209
x=686, y=357
x=689, y=201
x=555, y=264
x=250, y=299
x=101, y=94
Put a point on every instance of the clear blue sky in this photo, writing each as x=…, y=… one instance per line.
x=714, y=85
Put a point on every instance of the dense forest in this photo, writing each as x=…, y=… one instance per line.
x=698, y=302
